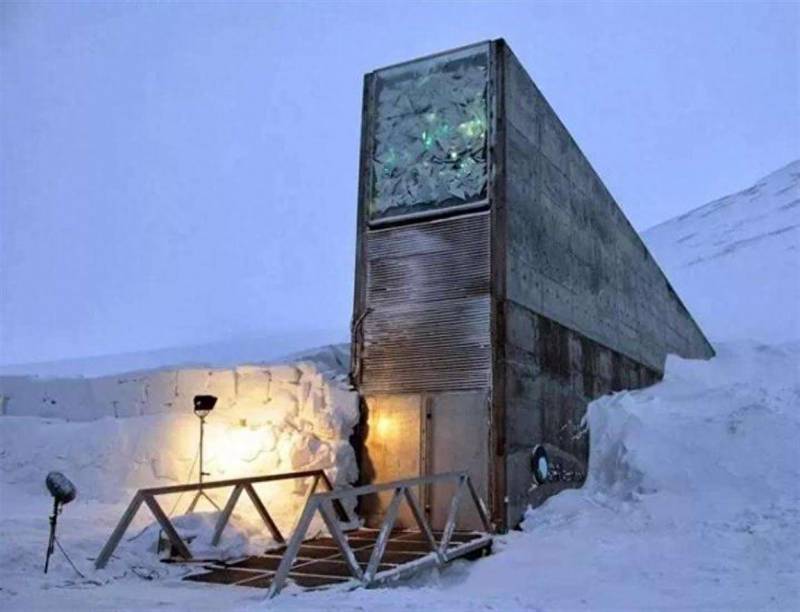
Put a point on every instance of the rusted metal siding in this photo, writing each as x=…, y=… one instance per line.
x=427, y=291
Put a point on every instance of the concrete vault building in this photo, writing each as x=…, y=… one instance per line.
x=499, y=287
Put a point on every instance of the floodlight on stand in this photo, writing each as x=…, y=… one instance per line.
x=203, y=405
x=63, y=492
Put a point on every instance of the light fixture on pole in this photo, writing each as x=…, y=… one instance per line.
x=63, y=492
x=203, y=405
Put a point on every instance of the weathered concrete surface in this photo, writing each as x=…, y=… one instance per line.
x=552, y=373
x=587, y=311
x=572, y=256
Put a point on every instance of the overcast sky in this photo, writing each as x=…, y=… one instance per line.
x=174, y=174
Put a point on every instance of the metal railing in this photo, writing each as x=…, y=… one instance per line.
x=324, y=503
x=148, y=498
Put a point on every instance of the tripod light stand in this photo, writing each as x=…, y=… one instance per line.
x=203, y=405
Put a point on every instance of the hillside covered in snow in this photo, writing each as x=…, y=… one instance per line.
x=736, y=261
x=692, y=499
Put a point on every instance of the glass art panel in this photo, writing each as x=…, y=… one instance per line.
x=429, y=147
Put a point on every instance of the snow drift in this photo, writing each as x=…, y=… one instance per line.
x=115, y=434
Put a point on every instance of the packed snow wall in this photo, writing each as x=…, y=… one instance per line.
x=128, y=431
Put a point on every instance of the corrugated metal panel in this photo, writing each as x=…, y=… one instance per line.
x=427, y=289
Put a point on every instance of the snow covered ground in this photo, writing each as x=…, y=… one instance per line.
x=692, y=502
x=693, y=496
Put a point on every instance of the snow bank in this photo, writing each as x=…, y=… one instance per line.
x=693, y=491
x=114, y=434
x=718, y=430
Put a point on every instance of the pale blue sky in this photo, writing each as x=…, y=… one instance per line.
x=177, y=173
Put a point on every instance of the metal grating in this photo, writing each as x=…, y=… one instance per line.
x=428, y=301
x=320, y=564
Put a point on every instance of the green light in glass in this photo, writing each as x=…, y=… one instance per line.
x=430, y=135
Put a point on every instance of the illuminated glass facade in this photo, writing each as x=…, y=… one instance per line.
x=429, y=136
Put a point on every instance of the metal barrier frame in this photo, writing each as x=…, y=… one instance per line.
x=325, y=504
x=148, y=498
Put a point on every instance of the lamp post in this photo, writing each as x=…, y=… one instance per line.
x=203, y=405
x=63, y=492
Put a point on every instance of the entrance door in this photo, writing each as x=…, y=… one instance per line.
x=392, y=451
x=410, y=435
x=458, y=439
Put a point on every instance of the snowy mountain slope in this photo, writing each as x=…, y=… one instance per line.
x=254, y=349
x=736, y=261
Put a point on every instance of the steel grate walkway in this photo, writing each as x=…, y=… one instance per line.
x=363, y=557
x=319, y=562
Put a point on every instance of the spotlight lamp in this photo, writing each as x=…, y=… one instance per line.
x=204, y=404
x=540, y=463
x=552, y=464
